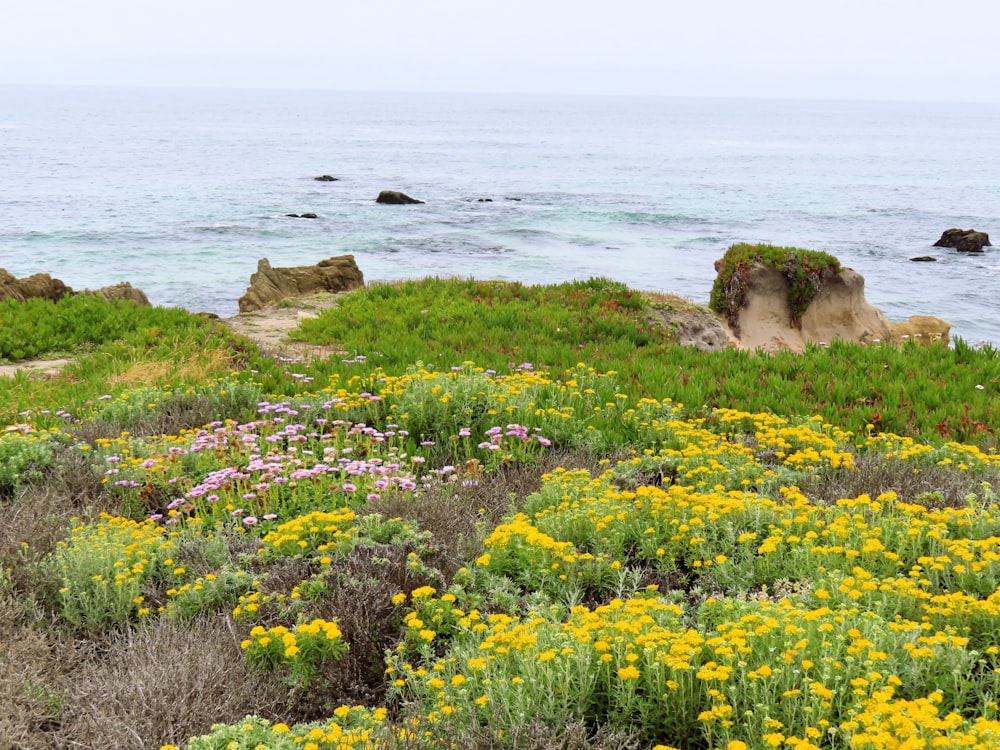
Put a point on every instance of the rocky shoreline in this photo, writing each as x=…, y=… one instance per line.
x=278, y=298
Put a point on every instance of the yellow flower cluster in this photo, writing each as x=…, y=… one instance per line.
x=827, y=604
x=23, y=432
x=435, y=618
x=884, y=722
x=303, y=649
x=319, y=531
x=521, y=666
x=210, y=589
x=25, y=451
x=723, y=447
x=347, y=397
x=103, y=566
x=349, y=728
x=513, y=384
x=520, y=546
x=959, y=455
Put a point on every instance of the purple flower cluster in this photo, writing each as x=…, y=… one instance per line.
x=279, y=464
x=516, y=431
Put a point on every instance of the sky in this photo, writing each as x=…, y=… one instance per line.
x=911, y=50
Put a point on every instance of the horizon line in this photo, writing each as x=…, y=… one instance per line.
x=527, y=94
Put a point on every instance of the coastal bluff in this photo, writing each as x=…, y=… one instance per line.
x=839, y=310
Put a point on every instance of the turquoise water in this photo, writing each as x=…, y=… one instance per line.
x=181, y=192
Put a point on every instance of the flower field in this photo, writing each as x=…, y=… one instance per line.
x=463, y=556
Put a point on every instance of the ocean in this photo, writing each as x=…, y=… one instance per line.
x=180, y=192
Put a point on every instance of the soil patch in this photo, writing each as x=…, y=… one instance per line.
x=269, y=328
x=49, y=368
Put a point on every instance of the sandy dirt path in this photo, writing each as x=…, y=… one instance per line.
x=44, y=367
x=267, y=328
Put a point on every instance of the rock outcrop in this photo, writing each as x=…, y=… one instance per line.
x=921, y=328
x=123, y=291
x=838, y=311
x=37, y=285
x=396, y=198
x=964, y=240
x=703, y=331
x=44, y=286
x=690, y=323
x=270, y=285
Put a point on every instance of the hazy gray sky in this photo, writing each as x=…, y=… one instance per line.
x=846, y=49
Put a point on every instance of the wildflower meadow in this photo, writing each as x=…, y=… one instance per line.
x=511, y=516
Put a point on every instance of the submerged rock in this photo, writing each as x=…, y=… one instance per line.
x=964, y=240
x=924, y=259
x=396, y=198
x=326, y=178
x=270, y=285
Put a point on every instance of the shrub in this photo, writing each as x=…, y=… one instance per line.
x=25, y=453
x=102, y=568
x=301, y=650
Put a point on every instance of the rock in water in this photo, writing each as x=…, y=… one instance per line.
x=270, y=285
x=964, y=240
x=973, y=242
x=326, y=178
x=396, y=198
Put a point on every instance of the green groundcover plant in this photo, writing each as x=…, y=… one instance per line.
x=40, y=326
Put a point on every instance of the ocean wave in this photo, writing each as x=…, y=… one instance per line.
x=92, y=237
x=240, y=230
x=450, y=244
x=645, y=218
